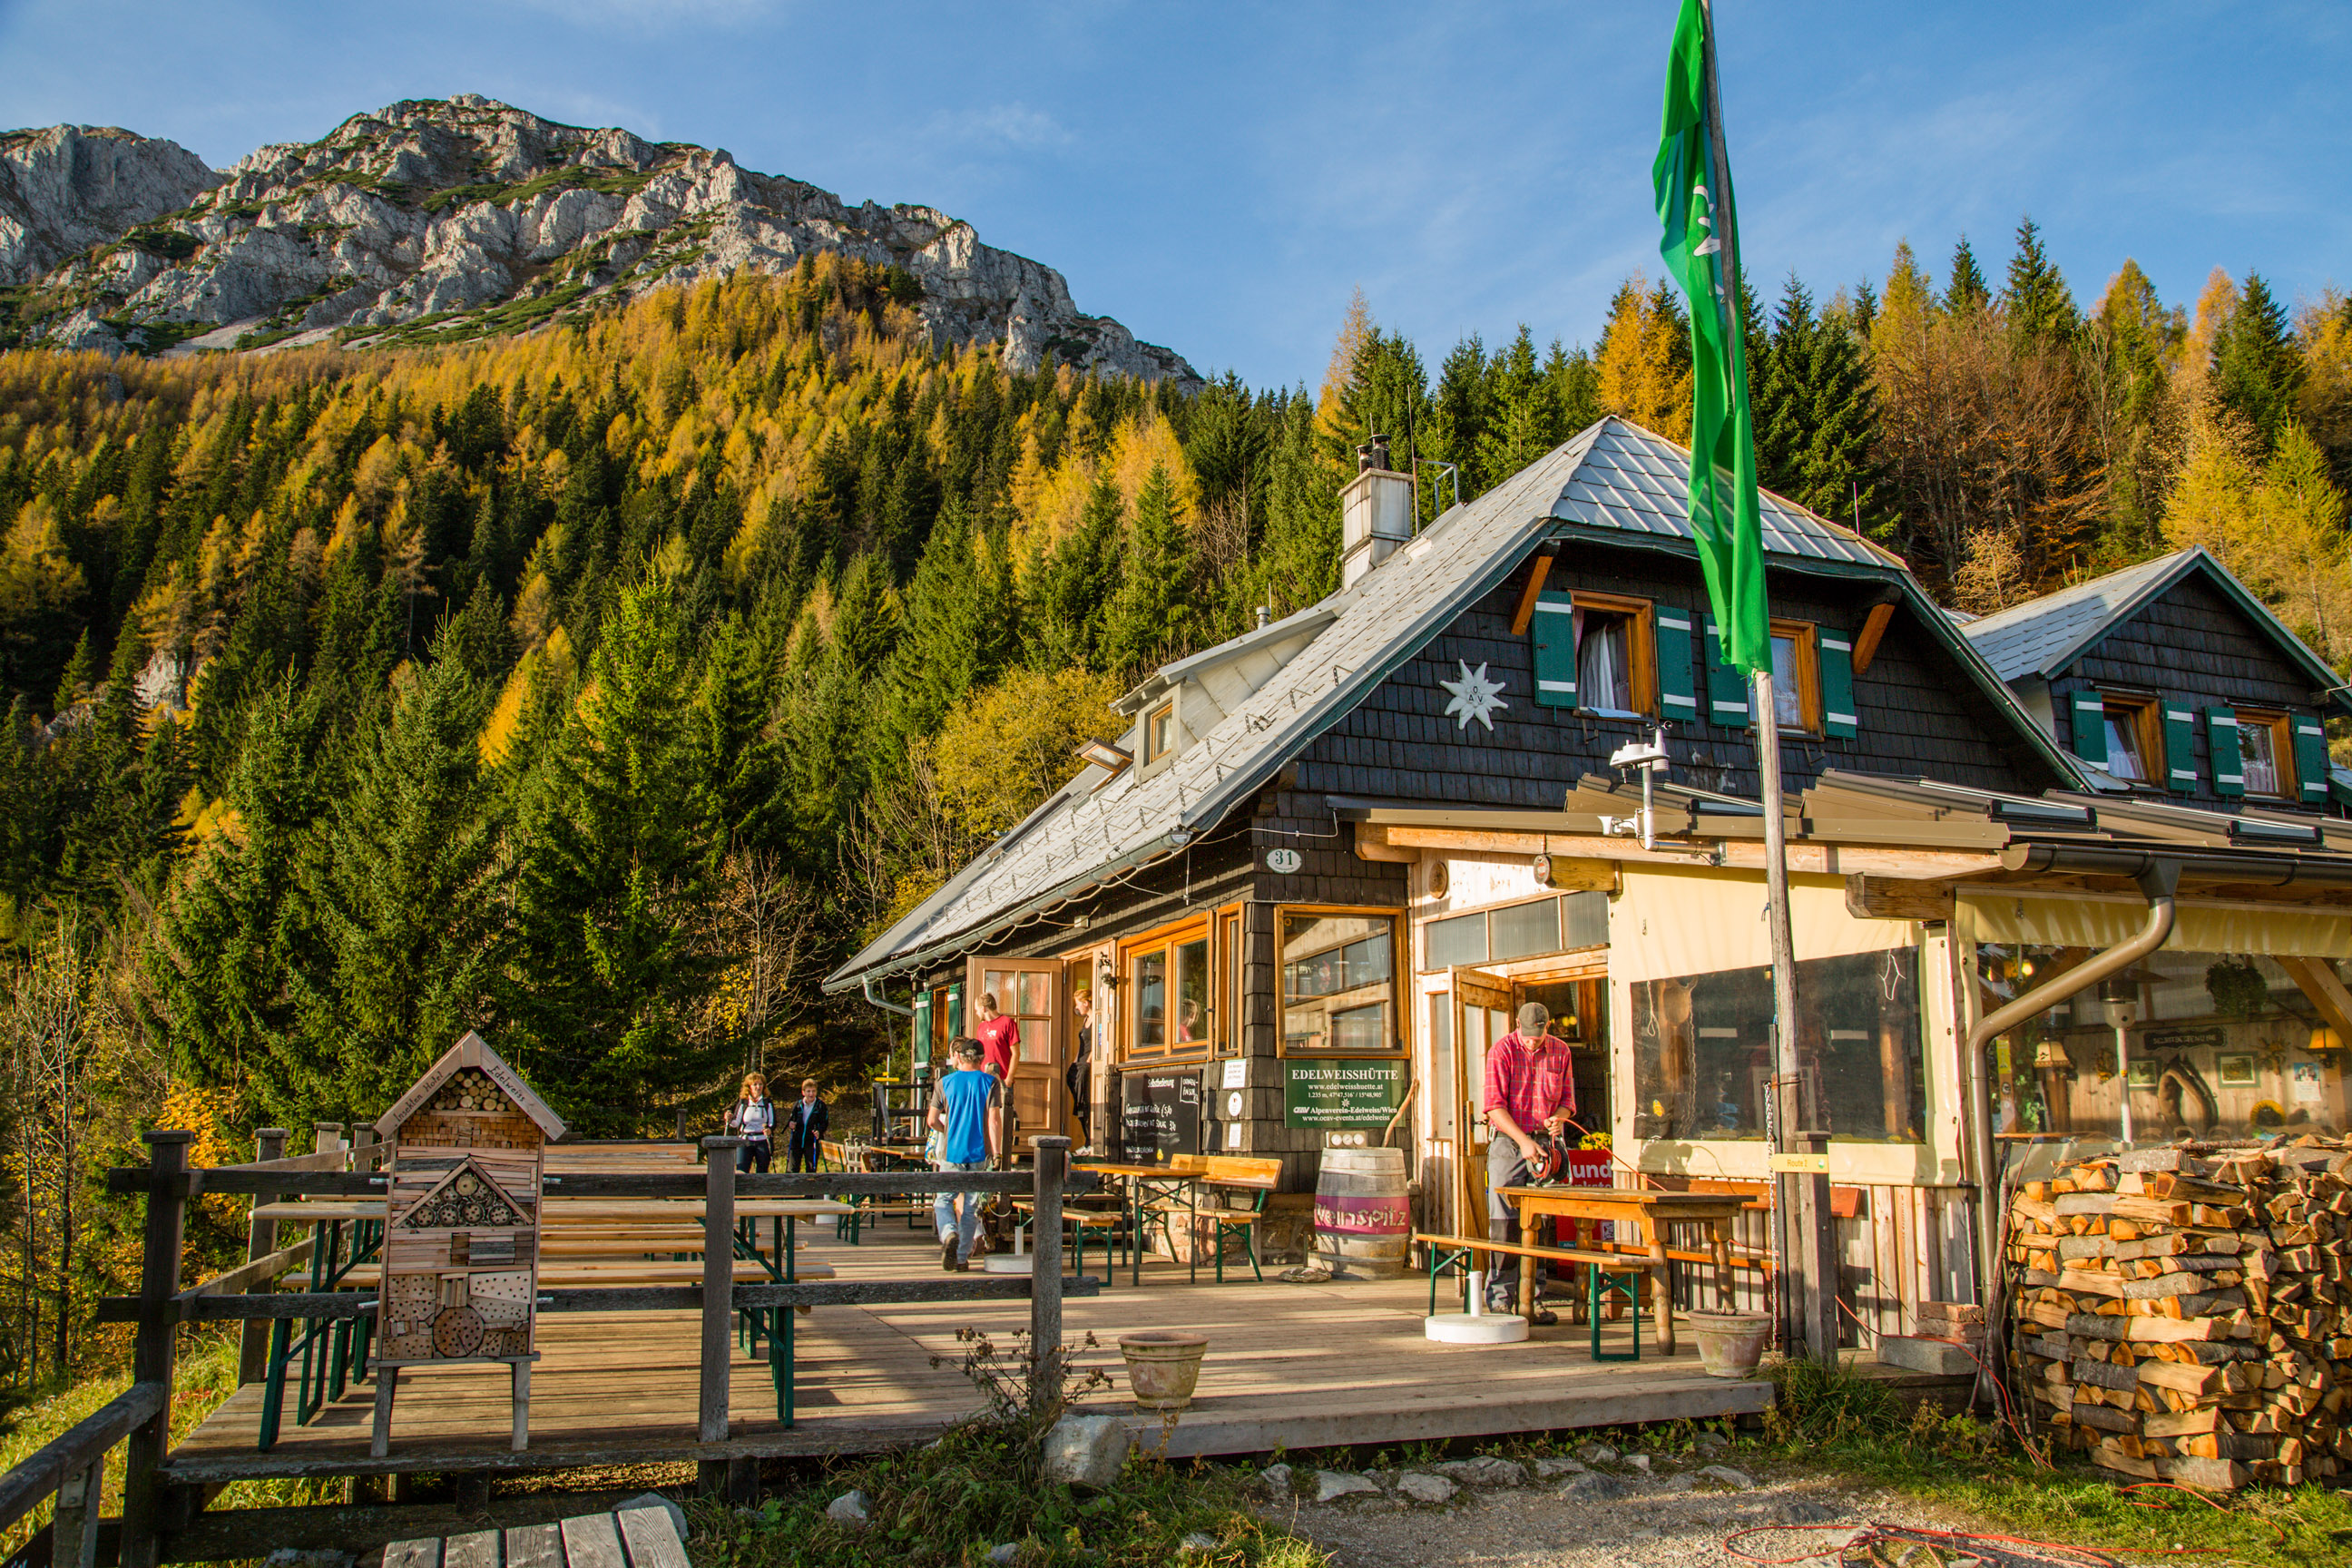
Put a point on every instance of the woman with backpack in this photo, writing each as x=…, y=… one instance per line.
x=753, y=1118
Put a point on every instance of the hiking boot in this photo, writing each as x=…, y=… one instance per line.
x=948, y=1254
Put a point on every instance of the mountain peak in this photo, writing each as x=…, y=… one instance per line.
x=435, y=220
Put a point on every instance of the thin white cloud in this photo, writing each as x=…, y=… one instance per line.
x=1014, y=127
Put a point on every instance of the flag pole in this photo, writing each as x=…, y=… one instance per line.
x=1800, y=1201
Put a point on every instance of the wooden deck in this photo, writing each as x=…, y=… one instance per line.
x=1288, y=1366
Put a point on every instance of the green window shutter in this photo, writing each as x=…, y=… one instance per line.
x=1555, y=634
x=2179, y=748
x=1726, y=690
x=2310, y=760
x=2221, y=742
x=2086, y=719
x=1836, y=659
x=922, y=1056
x=1677, y=695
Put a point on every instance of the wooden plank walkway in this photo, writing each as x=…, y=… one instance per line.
x=1288, y=1366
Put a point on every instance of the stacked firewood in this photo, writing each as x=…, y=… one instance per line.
x=2183, y=1312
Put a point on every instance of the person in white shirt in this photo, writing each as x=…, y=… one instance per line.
x=753, y=1120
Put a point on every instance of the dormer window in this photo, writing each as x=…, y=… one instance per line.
x=1159, y=731
x=2134, y=737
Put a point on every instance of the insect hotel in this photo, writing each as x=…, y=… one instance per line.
x=461, y=1229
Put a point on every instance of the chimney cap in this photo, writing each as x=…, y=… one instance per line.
x=1373, y=454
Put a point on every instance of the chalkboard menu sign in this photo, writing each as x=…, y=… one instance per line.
x=1160, y=1115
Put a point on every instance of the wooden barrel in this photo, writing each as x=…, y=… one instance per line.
x=1362, y=1216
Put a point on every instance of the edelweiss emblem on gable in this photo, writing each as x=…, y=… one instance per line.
x=1475, y=696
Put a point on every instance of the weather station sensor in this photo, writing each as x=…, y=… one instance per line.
x=1649, y=757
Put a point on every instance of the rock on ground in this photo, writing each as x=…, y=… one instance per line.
x=1277, y=1478
x=852, y=1509
x=1087, y=1451
x=1418, y=1487
x=1552, y=1468
x=1332, y=1485
x=1485, y=1470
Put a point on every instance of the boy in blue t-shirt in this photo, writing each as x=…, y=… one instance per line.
x=963, y=1112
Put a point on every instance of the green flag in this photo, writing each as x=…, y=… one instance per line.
x=1693, y=183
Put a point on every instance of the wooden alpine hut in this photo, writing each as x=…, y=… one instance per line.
x=461, y=1226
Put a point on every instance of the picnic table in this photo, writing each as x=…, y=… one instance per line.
x=1153, y=1185
x=1653, y=1212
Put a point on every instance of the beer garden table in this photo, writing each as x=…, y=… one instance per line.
x=1145, y=1183
x=1653, y=1211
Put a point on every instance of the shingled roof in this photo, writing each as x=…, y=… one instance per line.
x=1613, y=482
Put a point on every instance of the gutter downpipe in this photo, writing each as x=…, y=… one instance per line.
x=2159, y=882
x=887, y=1006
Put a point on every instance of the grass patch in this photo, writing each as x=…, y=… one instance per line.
x=616, y=183
x=207, y=1375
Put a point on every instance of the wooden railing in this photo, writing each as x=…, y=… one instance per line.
x=154, y=1508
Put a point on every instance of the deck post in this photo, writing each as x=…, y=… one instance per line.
x=261, y=1240
x=1052, y=1168
x=326, y=1137
x=151, y=1351
x=718, y=1299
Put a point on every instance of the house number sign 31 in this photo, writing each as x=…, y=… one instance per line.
x=1284, y=861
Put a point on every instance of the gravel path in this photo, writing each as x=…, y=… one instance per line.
x=1672, y=1519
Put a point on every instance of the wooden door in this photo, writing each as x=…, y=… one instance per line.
x=1028, y=991
x=1482, y=1014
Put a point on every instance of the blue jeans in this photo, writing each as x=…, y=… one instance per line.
x=965, y=1231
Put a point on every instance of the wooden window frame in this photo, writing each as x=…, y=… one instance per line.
x=1806, y=656
x=1158, y=731
x=2146, y=712
x=1228, y=979
x=2281, y=733
x=1400, y=975
x=1486, y=912
x=1641, y=652
x=1165, y=940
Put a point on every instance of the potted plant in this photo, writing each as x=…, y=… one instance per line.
x=1163, y=1365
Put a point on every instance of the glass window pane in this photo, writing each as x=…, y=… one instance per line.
x=1788, y=701
x=1462, y=939
x=1441, y=1063
x=1150, y=1000
x=1523, y=930
x=1702, y=1050
x=1583, y=921
x=2123, y=746
x=1360, y=1028
x=1331, y=965
x=1229, y=1026
x=2257, y=749
x=1604, y=673
x=1191, y=992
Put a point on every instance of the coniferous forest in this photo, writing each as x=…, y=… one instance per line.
x=601, y=689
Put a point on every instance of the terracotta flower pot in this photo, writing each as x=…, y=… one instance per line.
x=1729, y=1344
x=1162, y=1367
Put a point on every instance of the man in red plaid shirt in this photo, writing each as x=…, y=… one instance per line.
x=1530, y=1088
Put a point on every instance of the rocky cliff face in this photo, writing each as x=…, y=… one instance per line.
x=69, y=187
x=436, y=220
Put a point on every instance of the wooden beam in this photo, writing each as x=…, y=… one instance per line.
x=1812, y=859
x=1865, y=645
x=1581, y=876
x=1372, y=844
x=1885, y=899
x=1538, y=569
x=2317, y=981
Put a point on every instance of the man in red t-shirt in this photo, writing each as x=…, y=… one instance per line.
x=1000, y=1045
x=1531, y=1088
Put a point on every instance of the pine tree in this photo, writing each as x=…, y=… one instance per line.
x=1781, y=401
x=2257, y=365
x=1523, y=422
x=616, y=872
x=74, y=684
x=1458, y=414
x=1071, y=585
x=733, y=713
x=1967, y=293
x=2039, y=306
x=1153, y=617
x=404, y=897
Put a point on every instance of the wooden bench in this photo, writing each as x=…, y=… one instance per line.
x=642, y=1536
x=1110, y=1223
x=1623, y=1273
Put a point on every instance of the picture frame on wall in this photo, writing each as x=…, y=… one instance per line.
x=2236, y=1070
x=2141, y=1075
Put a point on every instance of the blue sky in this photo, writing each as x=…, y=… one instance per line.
x=1220, y=177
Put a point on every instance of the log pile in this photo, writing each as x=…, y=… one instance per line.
x=2185, y=1314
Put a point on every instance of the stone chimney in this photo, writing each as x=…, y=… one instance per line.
x=1375, y=512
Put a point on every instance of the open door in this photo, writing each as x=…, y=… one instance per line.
x=1482, y=1014
x=1028, y=991
x=1079, y=979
